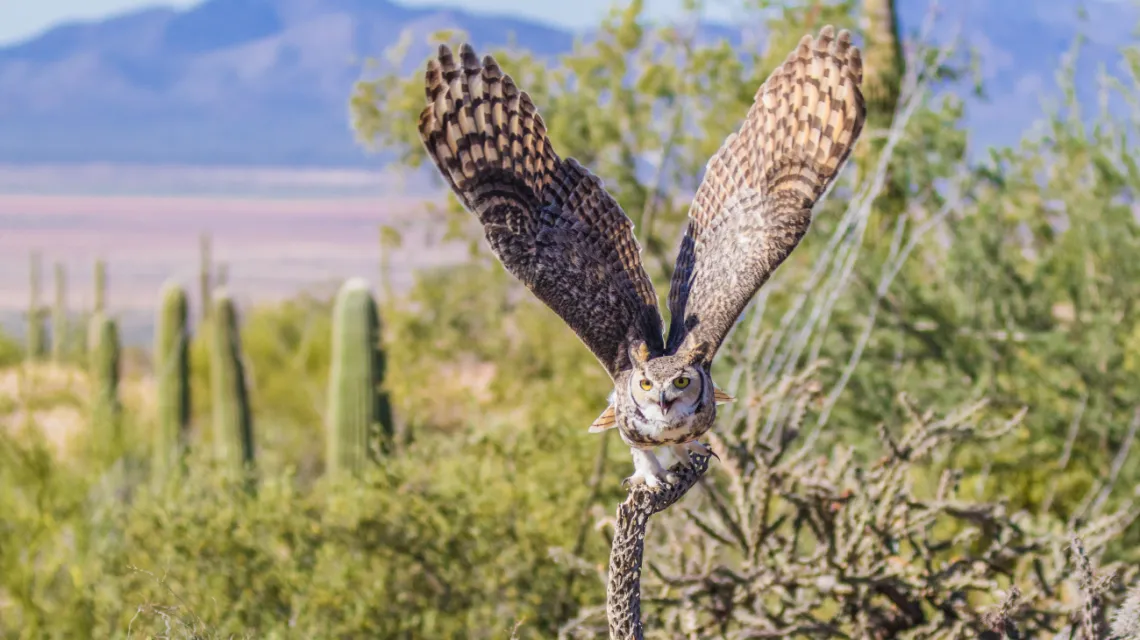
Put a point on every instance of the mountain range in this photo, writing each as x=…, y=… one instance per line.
x=266, y=82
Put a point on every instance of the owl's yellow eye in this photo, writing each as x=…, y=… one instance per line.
x=645, y=384
x=681, y=382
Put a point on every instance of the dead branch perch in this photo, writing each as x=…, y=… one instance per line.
x=623, y=588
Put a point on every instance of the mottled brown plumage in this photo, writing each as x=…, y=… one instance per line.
x=549, y=220
x=755, y=202
x=555, y=228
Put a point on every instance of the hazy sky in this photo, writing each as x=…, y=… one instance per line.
x=20, y=19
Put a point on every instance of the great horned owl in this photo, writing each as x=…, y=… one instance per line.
x=555, y=228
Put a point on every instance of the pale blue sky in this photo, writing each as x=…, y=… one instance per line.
x=20, y=19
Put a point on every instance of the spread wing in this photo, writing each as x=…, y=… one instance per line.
x=549, y=220
x=754, y=204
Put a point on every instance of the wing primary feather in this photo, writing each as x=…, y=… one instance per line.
x=548, y=220
x=755, y=202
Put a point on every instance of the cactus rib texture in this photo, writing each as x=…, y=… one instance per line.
x=232, y=420
x=59, y=326
x=100, y=286
x=103, y=369
x=35, y=332
x=358, y=409
x=172, y=373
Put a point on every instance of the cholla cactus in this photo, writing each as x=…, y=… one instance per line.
x=1126, y=620
x=789, y=540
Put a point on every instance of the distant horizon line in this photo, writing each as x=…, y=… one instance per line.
x=434, y=5
x=140, y=180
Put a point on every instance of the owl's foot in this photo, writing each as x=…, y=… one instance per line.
x=647, y=470
x=683, y=452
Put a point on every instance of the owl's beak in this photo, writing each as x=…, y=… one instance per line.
x=664, y=404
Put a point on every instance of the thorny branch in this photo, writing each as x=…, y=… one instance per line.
x=792, y=541
x=623, y=591
x=786, y=542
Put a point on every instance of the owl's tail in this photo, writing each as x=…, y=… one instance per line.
x=807, y=116
x=477, y=123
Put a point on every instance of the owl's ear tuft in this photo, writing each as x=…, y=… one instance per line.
x=720, y=397
x=639, y=352
x=608, y=420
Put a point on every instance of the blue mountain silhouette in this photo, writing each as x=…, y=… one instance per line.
x=266, y=82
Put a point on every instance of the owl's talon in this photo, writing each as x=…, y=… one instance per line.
x=652, y=481
x=701, y=449
x=648, y=470
x=637, y=479
x=683, y=452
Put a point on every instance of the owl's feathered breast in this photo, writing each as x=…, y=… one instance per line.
x=641, y=431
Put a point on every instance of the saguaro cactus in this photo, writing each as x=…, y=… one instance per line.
x=172, y=370
x=233, y=423
x=884, y=68
x=358, y=408
x=205, y=263
x=59, y=328
x=882, y=60
x=35, y=334
x=103, y=368
x=100, y=286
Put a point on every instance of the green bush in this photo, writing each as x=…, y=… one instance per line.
x=487, y=516
x=452, y=539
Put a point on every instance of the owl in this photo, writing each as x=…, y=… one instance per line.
x=555, y=228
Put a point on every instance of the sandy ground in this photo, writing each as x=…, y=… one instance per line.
x=52, y=399
x=22, y=387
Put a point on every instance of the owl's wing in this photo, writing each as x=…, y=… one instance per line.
x=754, y=204
x=549, y=220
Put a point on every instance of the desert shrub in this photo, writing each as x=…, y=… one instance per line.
x=451, y=539
x=925, y=276
x=10, y=350
x=789, y=538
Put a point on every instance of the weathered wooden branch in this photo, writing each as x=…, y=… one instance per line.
x=623, y=588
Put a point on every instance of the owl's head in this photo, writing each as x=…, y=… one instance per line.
x=670, y=387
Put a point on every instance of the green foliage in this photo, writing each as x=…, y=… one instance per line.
x=1024, y=296
x=11, y=351
x=1010, y=279
x=358, y=411
x=172, y=376
x=103, y=371
x=453, y=538
x=232, y=419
